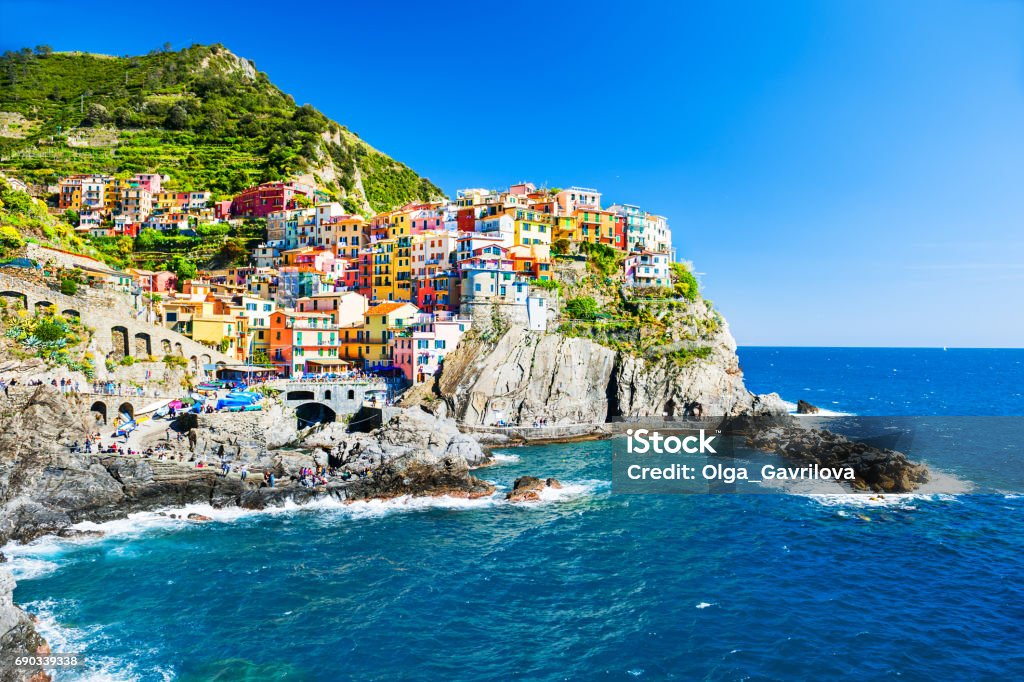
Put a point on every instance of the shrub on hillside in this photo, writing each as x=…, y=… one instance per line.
x=582, y=308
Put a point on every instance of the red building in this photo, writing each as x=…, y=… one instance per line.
x=364, y=276
x=466, y=218
x=259, y=201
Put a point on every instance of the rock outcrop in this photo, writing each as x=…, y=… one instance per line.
x=525, y=376
x=529, y=488
x=804, y=407
x=874, y=469
x=18, y=636
x=528, y=375
x=414, y=453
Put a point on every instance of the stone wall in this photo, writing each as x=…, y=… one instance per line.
x=117, y=331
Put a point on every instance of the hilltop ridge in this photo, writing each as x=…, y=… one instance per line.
x=202, y=115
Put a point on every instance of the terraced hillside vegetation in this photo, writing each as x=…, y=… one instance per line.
x=202, y=115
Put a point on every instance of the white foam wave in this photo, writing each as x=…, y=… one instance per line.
x=39, y=557
x=704, y=605
x=29, y=568
x=822, y=412
x=570, y=490
x=502, y=458
x=68, y=640
x=941, y=487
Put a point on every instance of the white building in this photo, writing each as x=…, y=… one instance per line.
x=647, y=269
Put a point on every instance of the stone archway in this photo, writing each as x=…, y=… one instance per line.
x=17, y=296
x=309, y=414
x=193, y=364
x=99, y=411
x=143, y=345
x=178, y=350
x=43, y=307
x=119, y=339
x=71, y=312
x=300, y=395
x=205, y=360
x=165, y=345
x=126, y=409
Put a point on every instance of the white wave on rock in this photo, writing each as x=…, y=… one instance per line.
x=822, y=412
x=503, y=458
x=69, y=640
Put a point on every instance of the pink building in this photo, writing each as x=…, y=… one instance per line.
x=150, y=182
x=260, y=201
x=156, y=282
x=420, y=352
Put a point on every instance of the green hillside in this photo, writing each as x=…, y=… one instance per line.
x=202, y=115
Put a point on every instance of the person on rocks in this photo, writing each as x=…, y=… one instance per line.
x=244, y=473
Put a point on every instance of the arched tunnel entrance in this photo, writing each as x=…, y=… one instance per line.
x=314, y=413
x=126, y=410
x=99, y=411
x=16, y=298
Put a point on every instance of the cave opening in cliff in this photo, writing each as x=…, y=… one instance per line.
x=612, y=396
x=314, y=413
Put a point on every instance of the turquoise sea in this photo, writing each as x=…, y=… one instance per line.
x=587, y=584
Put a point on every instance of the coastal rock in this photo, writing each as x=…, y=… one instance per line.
x=524, y=377
x=804, y=407
x=414, y=453
x=18, y=636
x=198, y=517
x=527, y=376
x=874, y=469
x=529, y=488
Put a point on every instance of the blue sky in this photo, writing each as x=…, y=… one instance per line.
x=843, y=173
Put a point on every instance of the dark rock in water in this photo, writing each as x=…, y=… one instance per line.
x=874, y=469
x=528, y=483
x=804, y=407
x=529, y=488
x=199, y=517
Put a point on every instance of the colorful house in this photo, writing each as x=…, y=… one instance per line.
x=646, y=269
x=381, y=323
x=421, y=352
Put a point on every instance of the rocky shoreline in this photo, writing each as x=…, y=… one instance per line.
x=45, y=489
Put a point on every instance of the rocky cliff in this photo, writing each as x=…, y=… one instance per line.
x=592, y=375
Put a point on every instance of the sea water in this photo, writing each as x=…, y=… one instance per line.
x=587, y=584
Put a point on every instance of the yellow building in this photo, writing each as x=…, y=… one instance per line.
x=217, y=331
x=382, y=281
x=595, y=226
x=532, y=227
x=564, y=228
x=70, y=194
x=381, y=323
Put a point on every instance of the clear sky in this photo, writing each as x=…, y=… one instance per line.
x=842, y=173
